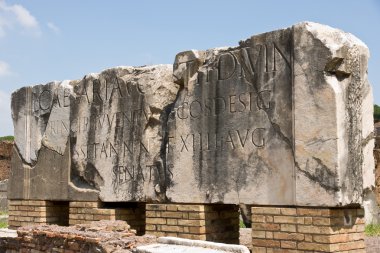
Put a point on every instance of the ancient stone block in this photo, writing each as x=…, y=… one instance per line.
x=118, y=130
x=333, y=117
x=284, y=118
x=102, y=136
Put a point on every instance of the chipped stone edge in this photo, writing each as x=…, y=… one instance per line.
x=334, y=40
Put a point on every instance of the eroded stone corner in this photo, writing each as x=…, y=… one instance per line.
x=333, y=126
x=41, y=121
x=39, y=113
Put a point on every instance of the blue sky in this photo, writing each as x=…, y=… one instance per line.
x=41, y=41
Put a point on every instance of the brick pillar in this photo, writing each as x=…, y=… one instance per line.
x=36, y=212
x=218, y=223
x=86, y=211
x=296, y=229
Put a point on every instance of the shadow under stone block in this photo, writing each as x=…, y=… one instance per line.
x=211, y=222
x=37, y=212
x=82, y=212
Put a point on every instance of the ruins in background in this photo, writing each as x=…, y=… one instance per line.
x=5, y=166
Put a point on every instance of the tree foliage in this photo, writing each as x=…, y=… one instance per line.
x=7, y=138
x=376, y=113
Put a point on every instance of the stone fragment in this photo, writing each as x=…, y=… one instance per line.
x=173, y=244
x=40, y=161
x=41, y=117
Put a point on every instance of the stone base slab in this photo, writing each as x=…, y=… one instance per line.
x=300, y=229
x=179, y=245
x=218, y=223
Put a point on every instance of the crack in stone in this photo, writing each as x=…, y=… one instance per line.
x=320, y=141
x=22, y=158
x=166, y=182
x=321, y=177
x=252, y=80
x=53, y=150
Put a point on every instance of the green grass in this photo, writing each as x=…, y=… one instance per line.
x=242, y=225
x=7, y=138
x=372, y=230
x=3, y=224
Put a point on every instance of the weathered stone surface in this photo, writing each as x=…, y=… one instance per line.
x=3, y=195
x=285, y=118
x=40, y=160
x=231, y=129
x=118, y=129
x=333, y=117
x=173, y=244
x=48, y=179
x=102, y=136
x=35, y=111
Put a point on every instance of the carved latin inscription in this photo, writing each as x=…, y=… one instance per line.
x=114, y=133
x=235, y=113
